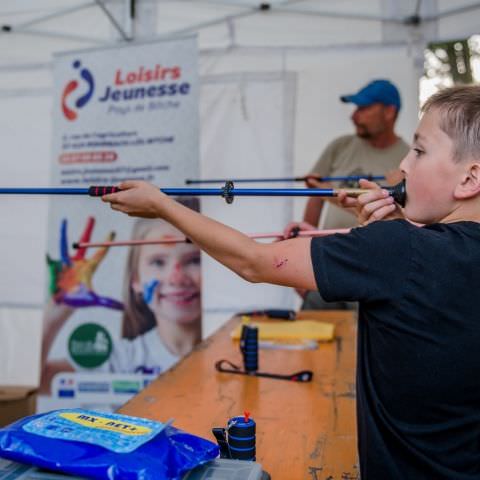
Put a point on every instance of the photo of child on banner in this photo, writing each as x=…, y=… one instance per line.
x=161, y=305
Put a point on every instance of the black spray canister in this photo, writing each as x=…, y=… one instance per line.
x=249, y=347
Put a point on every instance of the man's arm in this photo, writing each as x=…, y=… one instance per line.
x=313, y=210
x=285, y=263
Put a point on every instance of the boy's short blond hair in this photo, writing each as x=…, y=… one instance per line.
x=459, y=109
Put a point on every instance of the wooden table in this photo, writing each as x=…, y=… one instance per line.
x=304, y=430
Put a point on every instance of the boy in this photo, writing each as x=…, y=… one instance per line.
x=418, y=396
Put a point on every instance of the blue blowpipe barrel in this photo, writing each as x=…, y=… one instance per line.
x=398, y=192
x=241, y=438
x=212, y=192
x=249, y=348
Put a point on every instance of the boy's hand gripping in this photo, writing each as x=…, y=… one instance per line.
x=377, y=204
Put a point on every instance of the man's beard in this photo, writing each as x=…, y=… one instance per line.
x=363, y=132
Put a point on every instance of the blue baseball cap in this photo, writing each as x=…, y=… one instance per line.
x=377, y=91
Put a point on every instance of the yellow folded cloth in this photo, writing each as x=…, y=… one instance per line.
x=297, y=330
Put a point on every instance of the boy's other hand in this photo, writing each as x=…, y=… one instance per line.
x=377, y=204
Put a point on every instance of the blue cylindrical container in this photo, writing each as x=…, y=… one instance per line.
x=249, y=347
x=241, y=438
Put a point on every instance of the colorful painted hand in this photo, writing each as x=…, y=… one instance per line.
x=71, y=277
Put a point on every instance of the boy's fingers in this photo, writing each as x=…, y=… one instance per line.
x=370, y=207
x=109, y=198
x=345, y=200
x=364, y=183
x=127, y=184
x=378, y=214
x=348, y=202
x=373, y=196
x=117, y=206
x=375, y=210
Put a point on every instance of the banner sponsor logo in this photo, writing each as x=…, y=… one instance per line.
x=143, y=83
x=126, y=386
x=71, y=112
x=90, y=345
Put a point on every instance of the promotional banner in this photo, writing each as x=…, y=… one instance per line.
x=127, y=112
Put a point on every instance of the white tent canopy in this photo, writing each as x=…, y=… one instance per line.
x=271, y=76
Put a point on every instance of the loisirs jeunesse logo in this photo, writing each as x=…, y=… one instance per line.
x=142, y=86
x=145, y=83
x=71, y=112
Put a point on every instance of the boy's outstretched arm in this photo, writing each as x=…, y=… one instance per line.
x=285, y=263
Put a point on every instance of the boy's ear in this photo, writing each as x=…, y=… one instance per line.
x=469, y=185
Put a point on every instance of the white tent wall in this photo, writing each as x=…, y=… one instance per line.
x=247, y=130
x=25, y=125
x=296, y=63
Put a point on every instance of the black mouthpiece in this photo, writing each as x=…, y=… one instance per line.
x=399, y=193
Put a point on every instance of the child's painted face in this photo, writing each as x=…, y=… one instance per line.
x=169, y=277
x=430, y=172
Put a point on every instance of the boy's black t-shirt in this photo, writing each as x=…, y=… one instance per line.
x=418, y=358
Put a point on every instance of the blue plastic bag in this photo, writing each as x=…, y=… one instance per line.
x=104, y=445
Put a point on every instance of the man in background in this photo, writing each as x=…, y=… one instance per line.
x=374, y=149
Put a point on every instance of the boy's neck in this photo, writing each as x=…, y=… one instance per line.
x=466, y=211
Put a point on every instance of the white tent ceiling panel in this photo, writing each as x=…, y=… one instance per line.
x=469, y=21
x=173, y=16
x=450, y=6
x=216, y=36
x=80, y=18
x=278, y=29
x=89, y=21
x=345, y=7
x=240, y=61
x=20, y=49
